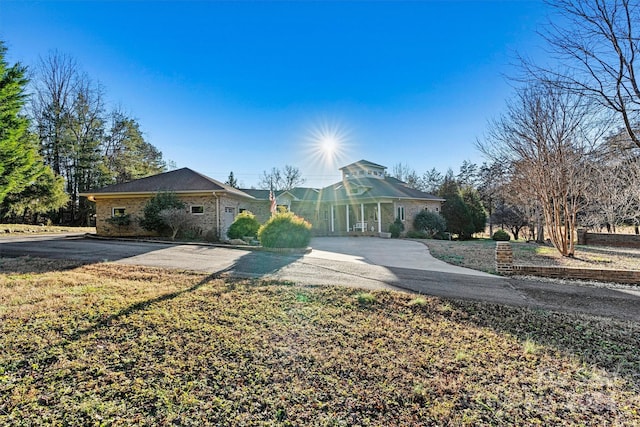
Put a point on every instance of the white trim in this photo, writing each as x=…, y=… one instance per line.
x=113, y=211
x=196, y=206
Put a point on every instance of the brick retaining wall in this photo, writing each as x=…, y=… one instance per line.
x=504, y=265
x=608, y=239
x=617, y=276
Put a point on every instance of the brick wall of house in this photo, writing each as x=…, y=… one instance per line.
x=206, y=222
x=413, y=208
x=133, y=207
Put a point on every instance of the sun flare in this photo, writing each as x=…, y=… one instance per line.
x=327, y=143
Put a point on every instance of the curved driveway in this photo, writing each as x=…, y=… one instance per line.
x=364, y=262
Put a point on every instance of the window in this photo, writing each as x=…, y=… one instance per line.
x=400, y=213
x=197, y=209
x=118, y=212
x=242, y=210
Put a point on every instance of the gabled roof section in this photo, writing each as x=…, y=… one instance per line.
x=363, y=164
x=182, y=180
x=387, y=188
x=297, y=193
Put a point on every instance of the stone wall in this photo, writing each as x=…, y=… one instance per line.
x=608, y=239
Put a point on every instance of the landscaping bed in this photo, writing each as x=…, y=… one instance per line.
x=108, y=344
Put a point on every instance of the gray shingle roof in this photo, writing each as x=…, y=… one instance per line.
x=374, y=188
x=177, y=181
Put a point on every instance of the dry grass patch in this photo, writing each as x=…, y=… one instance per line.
x=480, y=255
x=107, y=344
x=6, y=229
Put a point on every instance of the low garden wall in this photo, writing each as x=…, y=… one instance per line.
x=505, y=266
x=608, y=239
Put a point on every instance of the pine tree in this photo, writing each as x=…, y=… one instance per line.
x=19, y=160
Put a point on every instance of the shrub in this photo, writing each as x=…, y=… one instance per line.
x=285, y=230
x=211, y=236
x=245, y=224
x=416, y=234
x=120, y=220
x=396, y=228
x=176, y=219
x=501, y=236
x=430, y=223
x=151, y=221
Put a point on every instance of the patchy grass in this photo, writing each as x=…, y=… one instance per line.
x=480, y=255
x=108, y=344
x=25, y=228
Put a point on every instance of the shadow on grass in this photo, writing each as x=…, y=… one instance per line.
x=30, y=265
x=611, y=345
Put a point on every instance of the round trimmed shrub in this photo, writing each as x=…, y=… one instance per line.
x=285, y=230
x=501, y=236
x=431, y=223
x=245, y=225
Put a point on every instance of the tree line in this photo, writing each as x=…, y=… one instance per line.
x=566, y=151
x=58, y=139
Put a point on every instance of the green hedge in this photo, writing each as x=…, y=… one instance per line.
x=285, y=230
x=244, y=225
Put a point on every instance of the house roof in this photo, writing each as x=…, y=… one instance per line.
x=297, y=193
x=182, y=180
x=362, y=163
x=186, y=180
x=373, y=188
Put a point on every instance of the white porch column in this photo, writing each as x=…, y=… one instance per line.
x=379, y=219
x=347, y=218
x=362, y=217
x=332, y=223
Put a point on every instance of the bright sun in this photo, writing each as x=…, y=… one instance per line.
x=329, y=145
x=326, y=143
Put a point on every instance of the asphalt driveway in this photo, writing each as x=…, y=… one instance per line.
x=363, y=262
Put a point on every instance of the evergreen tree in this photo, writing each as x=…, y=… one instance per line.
x=19, y=160
x=232, y=181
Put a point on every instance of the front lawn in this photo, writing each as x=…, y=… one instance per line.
x=31, y=229
x=480, y=255
x=107, y=344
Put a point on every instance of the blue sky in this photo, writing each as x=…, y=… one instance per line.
x=246, y=86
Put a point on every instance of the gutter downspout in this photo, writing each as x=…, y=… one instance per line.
x=217, y=215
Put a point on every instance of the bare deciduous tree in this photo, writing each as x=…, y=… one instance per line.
x=597, y=45
x=285, y=179
x=547, y=137
x=176, y=219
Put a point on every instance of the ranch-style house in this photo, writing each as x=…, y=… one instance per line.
x=365, y=202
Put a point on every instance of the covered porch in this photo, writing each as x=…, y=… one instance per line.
x=365, y=218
